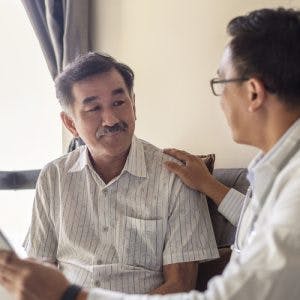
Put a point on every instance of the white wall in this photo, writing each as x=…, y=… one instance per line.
x=174, y=47
x=30, y=127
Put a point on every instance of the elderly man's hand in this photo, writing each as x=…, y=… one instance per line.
x=29, y=280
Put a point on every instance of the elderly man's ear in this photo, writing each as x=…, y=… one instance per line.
x=69, y=123
x=133, y=101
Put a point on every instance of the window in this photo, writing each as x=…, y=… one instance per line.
x=30, y=128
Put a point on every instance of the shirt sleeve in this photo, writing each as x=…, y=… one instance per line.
x=231, y=206
x=189, y=235
x=268, y=268
x=41, y=240
x=101, y=294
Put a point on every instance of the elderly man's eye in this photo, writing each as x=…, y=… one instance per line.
x=118, y=102
x=95, y=108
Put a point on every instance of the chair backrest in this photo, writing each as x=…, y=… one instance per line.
x=223, y=229
x=18, y=180
x=75, y=143
x=232, y=178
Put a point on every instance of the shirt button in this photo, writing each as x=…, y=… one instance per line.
x=104, y=192
x=97, y=283
x=105, y=228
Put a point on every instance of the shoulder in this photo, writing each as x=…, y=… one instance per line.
x=155, y=159
x=63, y=164
x=286, y=194
x=153, y=152
x=290, y=172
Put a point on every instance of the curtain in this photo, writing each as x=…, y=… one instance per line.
x=62, y=27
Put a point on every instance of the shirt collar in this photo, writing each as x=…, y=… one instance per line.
x=82, y=161
x=135, y=162
x=264, y=167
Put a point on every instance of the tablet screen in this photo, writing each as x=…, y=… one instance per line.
x=4, y=243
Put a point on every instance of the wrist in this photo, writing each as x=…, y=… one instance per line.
x=71, y=293
x=216, y=191
x=206, y=185
x=83, y=295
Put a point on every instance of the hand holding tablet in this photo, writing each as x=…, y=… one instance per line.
x=4, y=245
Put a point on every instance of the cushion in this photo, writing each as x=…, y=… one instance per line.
x=209, y=160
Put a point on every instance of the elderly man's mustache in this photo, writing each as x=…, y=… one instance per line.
x=107, y=130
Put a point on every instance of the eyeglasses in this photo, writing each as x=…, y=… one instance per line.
x=217, y=85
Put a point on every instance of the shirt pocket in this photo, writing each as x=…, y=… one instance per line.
x=140, y=243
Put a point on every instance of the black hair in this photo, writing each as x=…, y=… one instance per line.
x=84, y=66
x=266, y=44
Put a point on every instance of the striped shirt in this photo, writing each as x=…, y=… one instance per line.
x=118, y=235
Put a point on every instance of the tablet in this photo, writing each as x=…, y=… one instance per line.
x=4, y=243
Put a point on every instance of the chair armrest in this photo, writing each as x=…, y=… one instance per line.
x=209, y=269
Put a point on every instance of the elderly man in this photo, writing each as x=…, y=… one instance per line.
x=109, y=213
x=259, y=85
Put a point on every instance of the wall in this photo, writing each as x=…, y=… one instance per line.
x=174, y=47
x=30, y=127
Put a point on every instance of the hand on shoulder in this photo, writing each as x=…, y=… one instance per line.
x=194, y=173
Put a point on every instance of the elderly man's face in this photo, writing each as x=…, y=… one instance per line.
x=104, y=113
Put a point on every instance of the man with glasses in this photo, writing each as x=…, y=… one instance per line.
x=259, y=87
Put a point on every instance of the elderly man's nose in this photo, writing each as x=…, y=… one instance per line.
x=109, y=118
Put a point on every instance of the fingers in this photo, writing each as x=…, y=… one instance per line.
x=6, y=257
x=6, y=283
x=10, y=264
x=5, y=280
x=8, y=277
x=179, y=154
x=7, y=272
x=174, y=167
